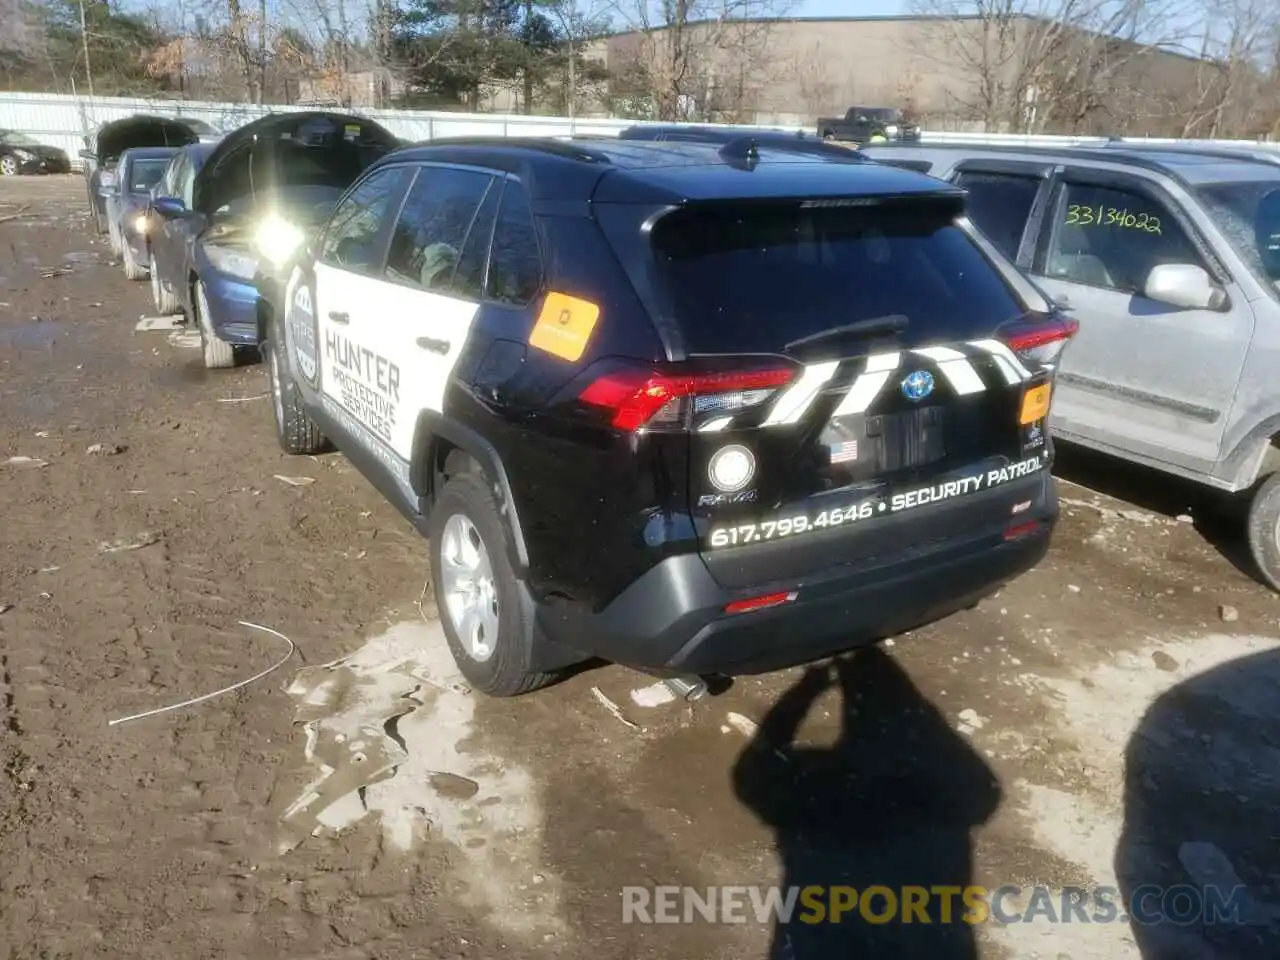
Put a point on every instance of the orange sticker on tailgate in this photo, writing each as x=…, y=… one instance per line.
x=1035, y=404
x=564, y=326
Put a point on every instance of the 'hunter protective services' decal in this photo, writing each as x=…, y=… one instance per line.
x=775, y=528
x=368, y=384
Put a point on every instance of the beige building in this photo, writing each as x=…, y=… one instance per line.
x=952, y=73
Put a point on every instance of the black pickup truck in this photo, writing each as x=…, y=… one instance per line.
x=866, y=124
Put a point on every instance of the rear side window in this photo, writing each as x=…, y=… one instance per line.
x=1000, y=205
x=755, y=278
x=429, y=235
x=515, y=266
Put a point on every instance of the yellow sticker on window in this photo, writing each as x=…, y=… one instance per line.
x=1035, y=404
x=564, y=326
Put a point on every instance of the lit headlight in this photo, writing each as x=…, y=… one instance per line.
x=891, y=129
x=277, y=239
x=140, y=223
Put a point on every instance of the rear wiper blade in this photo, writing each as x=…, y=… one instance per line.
x=876, y=326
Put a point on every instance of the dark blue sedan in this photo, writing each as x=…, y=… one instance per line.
x=263, y=190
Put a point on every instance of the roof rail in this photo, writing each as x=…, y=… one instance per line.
x=568, y=149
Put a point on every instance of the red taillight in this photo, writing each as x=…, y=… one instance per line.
x=761, y=603
x=1020, y=530
x=636, y=399
x=1039, y=343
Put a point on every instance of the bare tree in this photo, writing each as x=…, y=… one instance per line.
x=681, y=48
x=1239, y=37
x=813, y=80
x=1028, y=65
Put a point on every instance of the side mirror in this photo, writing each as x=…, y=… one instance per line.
x=1184, y=285
x=108, y=190
x=171, y=208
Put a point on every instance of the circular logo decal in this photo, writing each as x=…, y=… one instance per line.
x=917, y=385
x=303, y=336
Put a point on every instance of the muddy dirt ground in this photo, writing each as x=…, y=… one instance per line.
x=1109, y=719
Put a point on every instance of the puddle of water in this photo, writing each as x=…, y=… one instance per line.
x=33, y=334
x=392, y=718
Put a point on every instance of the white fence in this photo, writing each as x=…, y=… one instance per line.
x=62, y=121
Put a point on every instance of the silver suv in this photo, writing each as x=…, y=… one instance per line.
x=1170, y=261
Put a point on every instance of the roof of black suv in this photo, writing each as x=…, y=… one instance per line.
x=1189, y=166
x=640, y=171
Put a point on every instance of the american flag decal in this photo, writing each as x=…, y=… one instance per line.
x=844, y=452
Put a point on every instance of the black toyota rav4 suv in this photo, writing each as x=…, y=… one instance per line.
x=696, y=408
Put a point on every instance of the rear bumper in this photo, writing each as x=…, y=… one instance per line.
x=673, y=617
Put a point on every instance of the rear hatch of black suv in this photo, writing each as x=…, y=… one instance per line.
x=856, y=379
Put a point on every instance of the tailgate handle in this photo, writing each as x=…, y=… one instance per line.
x=338, y=316
x=435, y=346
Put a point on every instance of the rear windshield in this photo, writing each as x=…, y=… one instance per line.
x=753, y=279
x=145, y=174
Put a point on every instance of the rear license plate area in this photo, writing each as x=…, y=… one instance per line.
x=872, y=446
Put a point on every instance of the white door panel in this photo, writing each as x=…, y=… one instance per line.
x=427, y=332
x=393, y=356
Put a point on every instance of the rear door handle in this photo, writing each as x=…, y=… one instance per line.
x=435, y=346
x=337, y=316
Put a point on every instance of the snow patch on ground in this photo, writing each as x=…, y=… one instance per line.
x=392, y=720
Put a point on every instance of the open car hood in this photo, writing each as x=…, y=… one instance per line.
x=141, y=130
x=312, y=148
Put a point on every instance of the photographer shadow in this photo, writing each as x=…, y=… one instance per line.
x=1198, y=861
x=890, y=805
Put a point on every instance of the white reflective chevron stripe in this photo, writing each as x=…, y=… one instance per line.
x=879, y=362
x=955, y=367
x=796, y=400
x=712, y=426
x=868, y=386
x=1002, y=352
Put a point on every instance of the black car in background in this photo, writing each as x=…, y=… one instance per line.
x=103, y=147
x=19, y=154
x=868, y=125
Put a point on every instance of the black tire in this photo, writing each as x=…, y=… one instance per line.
x=296, y=431
x=1263, y=525
x=132, y=269
x=167, y=303
x=218, y=354
x=507, y=671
